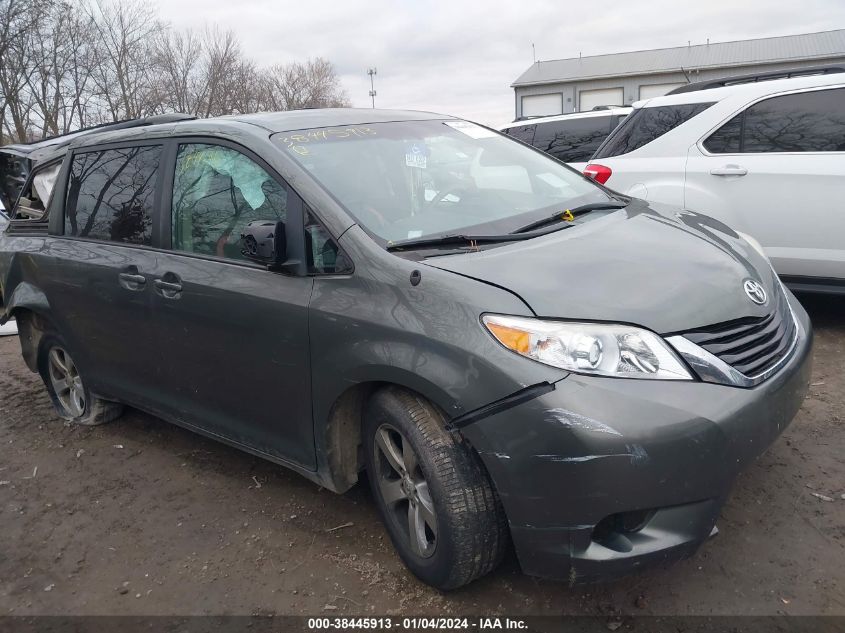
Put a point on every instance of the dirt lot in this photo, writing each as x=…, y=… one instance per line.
x=141, y=517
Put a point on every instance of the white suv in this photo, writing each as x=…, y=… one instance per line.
x=767, y=158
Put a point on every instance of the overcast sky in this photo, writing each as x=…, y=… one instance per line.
x=460, y=56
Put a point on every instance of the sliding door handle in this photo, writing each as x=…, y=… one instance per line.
x=132, y=281
x=169, y=287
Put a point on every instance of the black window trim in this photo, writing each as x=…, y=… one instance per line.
x=747, y=106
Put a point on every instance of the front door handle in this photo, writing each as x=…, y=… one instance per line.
x=132, y=280
x=169, y=286
x=729, y=170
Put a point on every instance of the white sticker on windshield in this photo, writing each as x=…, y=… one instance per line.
x=414, y=234
x=470, y=129
x=415, y=156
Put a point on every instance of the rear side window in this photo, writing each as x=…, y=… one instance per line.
x=111, y=194
x=524, y=133
x=804, y=122
x=645, y=125
x=217, y=191
x=572, y=141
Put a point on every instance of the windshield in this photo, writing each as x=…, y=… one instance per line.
x=420, y=179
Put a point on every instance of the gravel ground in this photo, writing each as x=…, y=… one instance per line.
x=141, y=517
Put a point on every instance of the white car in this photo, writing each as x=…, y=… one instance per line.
x=766, y=158
x=571, y=138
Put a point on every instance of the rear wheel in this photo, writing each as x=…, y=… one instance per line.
x=435, y=497
x=71, y=397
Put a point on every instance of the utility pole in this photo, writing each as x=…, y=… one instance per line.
x=372, y=72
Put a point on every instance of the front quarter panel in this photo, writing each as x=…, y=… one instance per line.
x=375, y=326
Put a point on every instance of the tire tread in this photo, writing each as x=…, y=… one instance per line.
x=474, y=512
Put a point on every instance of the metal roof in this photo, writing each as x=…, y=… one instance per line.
x=805, y=46
x=271, y=122
x=292, y=120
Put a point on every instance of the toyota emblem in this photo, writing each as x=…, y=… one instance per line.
x=755, y=291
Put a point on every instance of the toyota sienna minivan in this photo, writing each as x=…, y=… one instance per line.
x=512, y=352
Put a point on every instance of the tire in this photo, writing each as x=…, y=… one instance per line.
x=75, y=403
x=459, y=528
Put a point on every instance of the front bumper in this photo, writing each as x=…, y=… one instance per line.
x=576, y=466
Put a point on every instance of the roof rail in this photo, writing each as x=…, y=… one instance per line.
x=531, y=117
x=753, y=78
x=120, y=125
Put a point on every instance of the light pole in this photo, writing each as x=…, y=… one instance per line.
x=372, y=72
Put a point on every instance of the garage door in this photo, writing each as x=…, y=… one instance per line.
x=657, y=90
x=589, y=99
x=542, y=105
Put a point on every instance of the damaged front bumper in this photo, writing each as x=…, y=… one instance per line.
x=601, y=476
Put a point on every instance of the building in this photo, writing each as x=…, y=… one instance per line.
x=582, y=83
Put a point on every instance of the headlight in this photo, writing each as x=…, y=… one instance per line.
x=754, y=244
x=589, y=348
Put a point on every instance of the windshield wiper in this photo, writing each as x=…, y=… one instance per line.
x=456, y=239
x=522, y=233
x=569, y=214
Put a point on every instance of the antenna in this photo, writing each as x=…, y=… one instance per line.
x=534, y=52
x=372, y=72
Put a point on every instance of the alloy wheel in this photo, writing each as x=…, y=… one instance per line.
x=405, y=490
x=66, y=382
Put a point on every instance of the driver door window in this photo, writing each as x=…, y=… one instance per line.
x=217, y=191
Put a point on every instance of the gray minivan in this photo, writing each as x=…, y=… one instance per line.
x=512, y=352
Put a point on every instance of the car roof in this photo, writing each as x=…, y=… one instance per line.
x=261, y=124
x=749, y=90
x=264, y=124
x=328, y=117
x=611, y=111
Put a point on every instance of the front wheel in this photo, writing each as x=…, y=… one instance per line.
x=433, y=493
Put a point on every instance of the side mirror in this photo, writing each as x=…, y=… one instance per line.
x=265, y=242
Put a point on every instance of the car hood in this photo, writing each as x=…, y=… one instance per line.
x=653, y=266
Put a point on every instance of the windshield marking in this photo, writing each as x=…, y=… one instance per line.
x=295, y=142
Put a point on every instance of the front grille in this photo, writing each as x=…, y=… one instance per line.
x=751, y=345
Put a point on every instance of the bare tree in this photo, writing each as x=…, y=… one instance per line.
x=68, y=64
x=177, y=56
x=19, y=24
x=312, y=84
x=222, y=58
x=51, y=59
x=124, y=34
x=81, y=67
